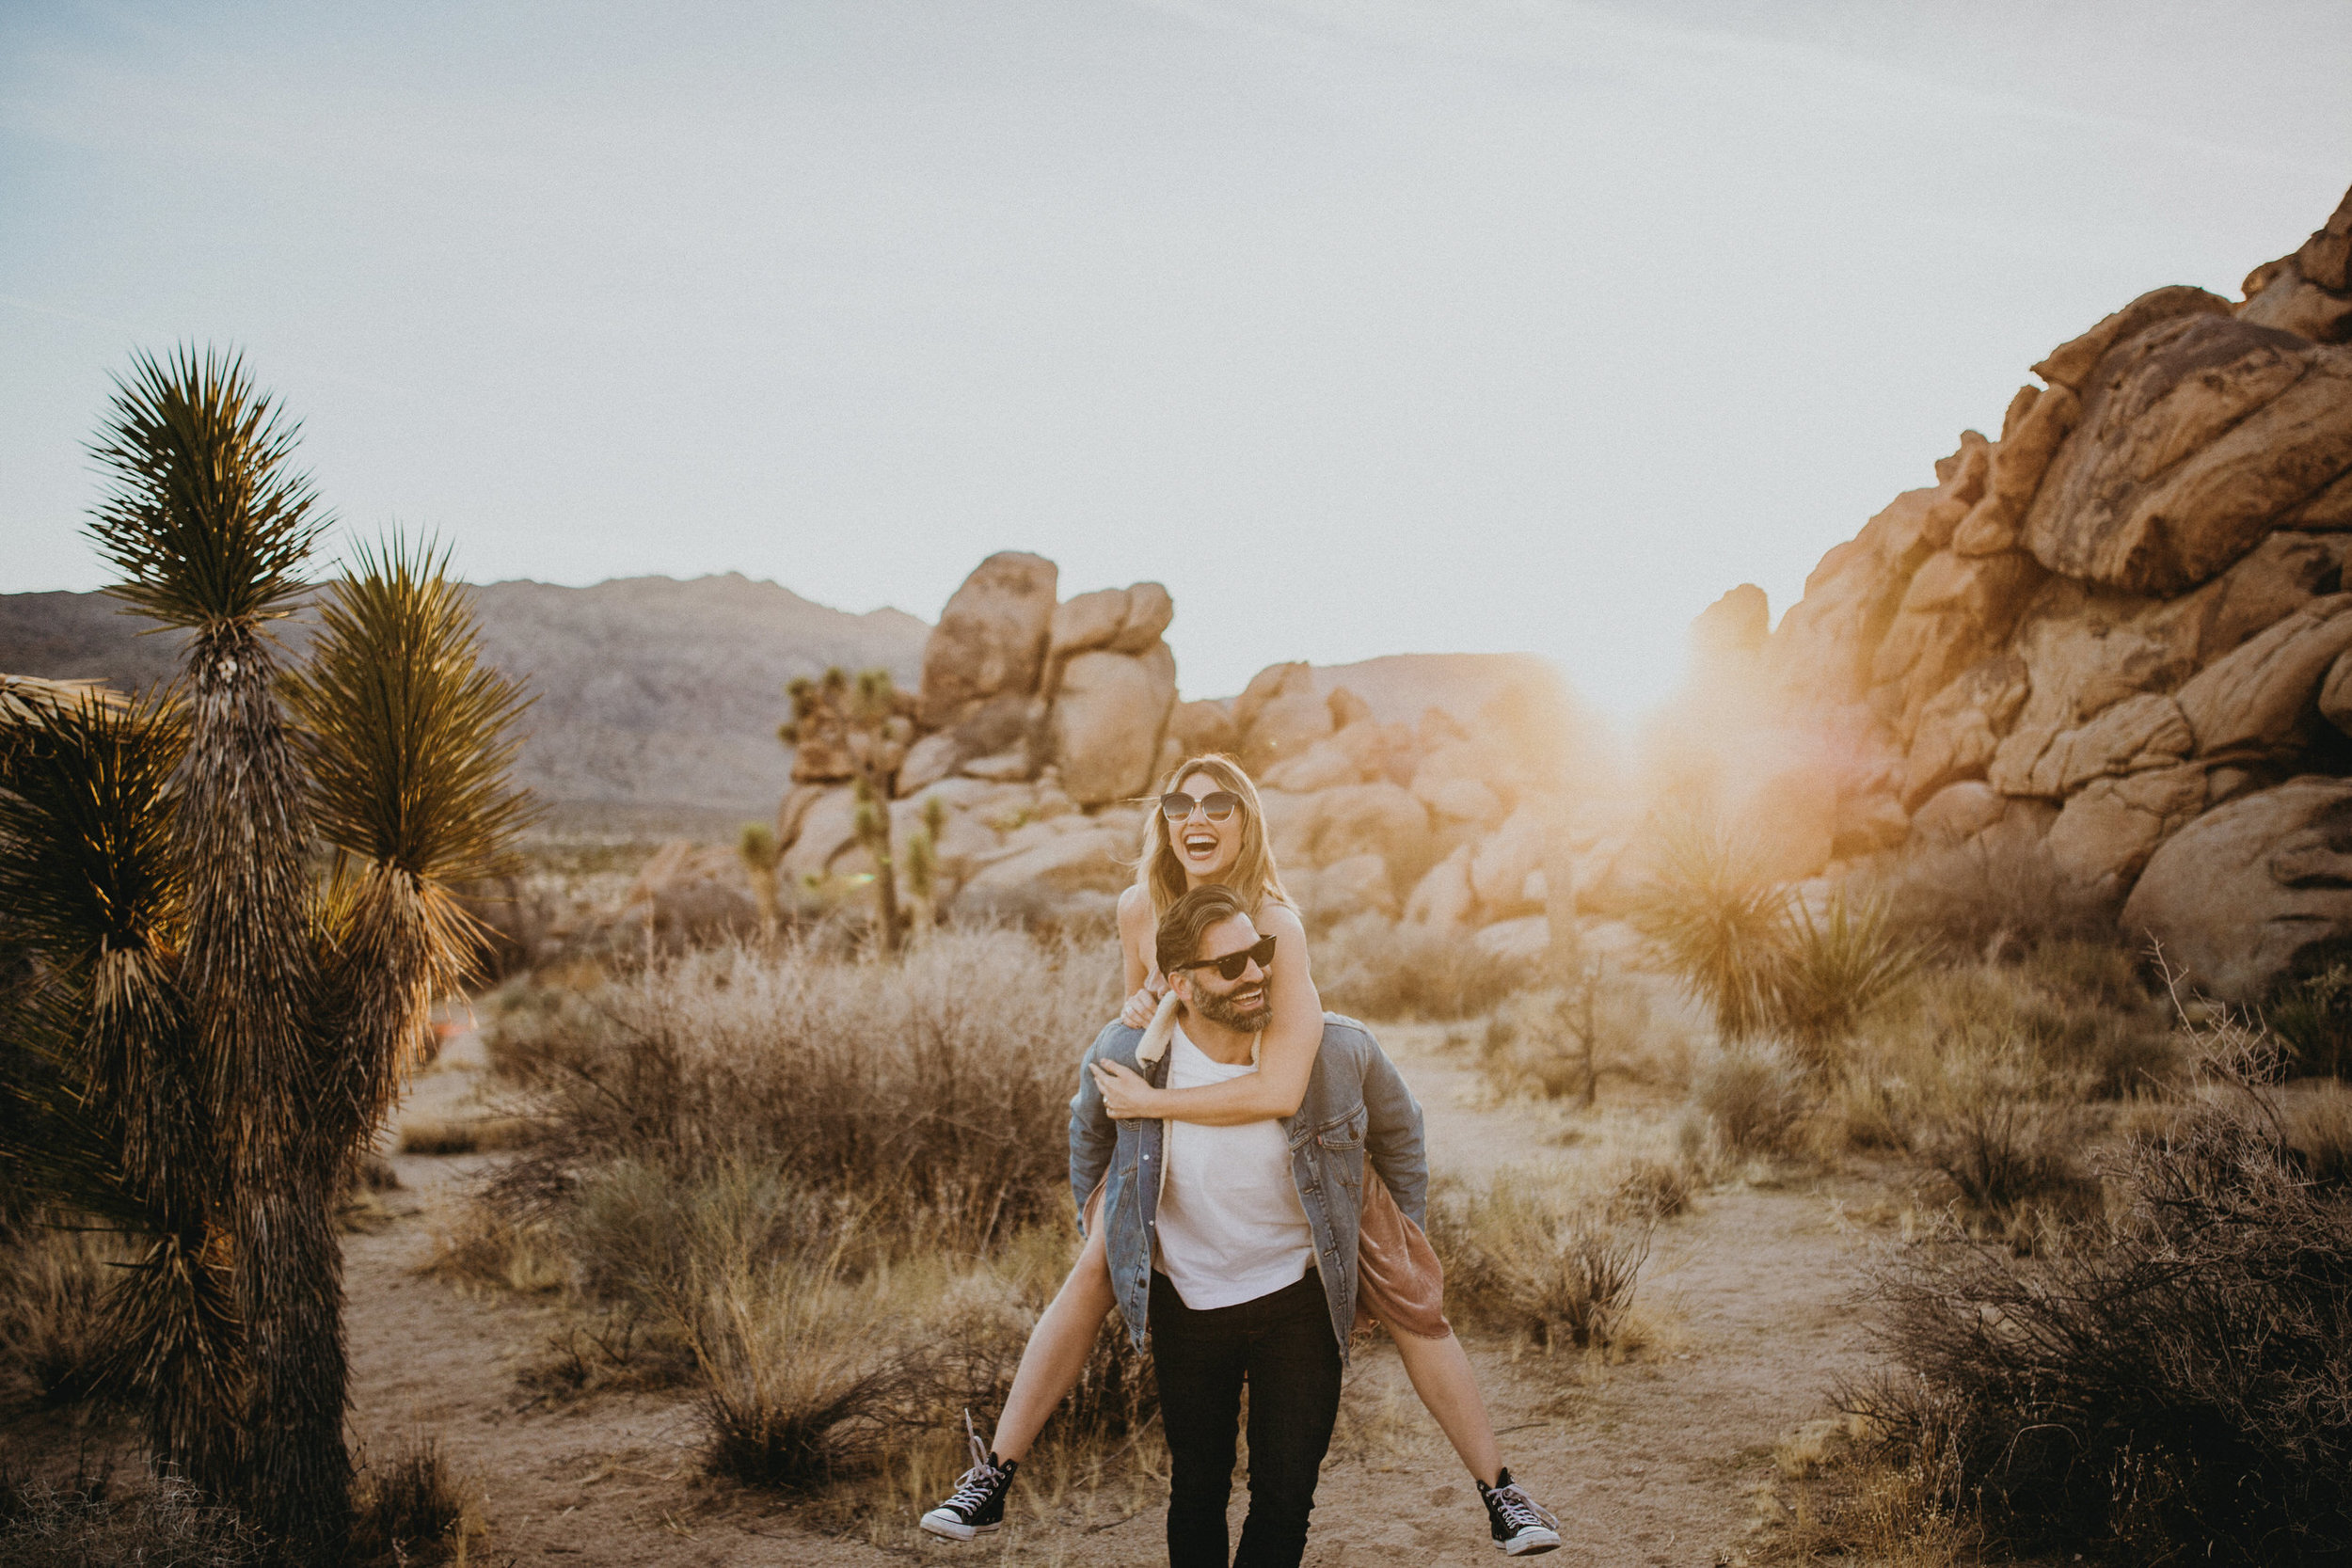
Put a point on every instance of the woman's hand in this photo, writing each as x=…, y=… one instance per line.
x=1127, y=1095
x=1138, y=1013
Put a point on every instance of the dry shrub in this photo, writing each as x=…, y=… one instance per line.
x=2318, y=1127
x=2172, y=1382
x=1557, y=1041
x=88, y=1522
x=1530, y=1255
x=1755, y=1097
x=1378, y=969
x=934, y=1092
x=2312, y=1018
x=409, y=1505
x=52, y=1318
x=1984, y=901
x=464, y=1134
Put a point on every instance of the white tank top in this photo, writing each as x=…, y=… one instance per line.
x=1231, y=1226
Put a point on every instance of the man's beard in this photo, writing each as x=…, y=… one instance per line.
x=1232, y=1013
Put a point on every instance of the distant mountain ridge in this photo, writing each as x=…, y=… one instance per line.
x=651, y=691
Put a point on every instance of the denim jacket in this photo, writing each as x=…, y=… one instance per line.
x=1356, y=1108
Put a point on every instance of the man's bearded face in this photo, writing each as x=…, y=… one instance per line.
x=1243, y=1005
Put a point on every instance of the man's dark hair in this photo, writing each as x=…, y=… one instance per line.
x=1189, y=918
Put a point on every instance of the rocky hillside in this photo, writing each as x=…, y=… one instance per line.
x=2115, y=640
x=651, y=692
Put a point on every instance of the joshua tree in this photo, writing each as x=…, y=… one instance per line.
x=760, y=857
x=922, y=859
x=226, y=1027
x=864, y=727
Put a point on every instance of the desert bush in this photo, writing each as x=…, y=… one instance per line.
x=2318, y=1125
x=933, y=1091
x=2087, y=1024
x=2313, y=1020
x=88, y=1522
x=2170, y=1383
x=409, y=1505
x=53, y=1331
x=1754, y=1096
x=1987, y=901
x=1557, y=1040
x=1378, y=969
x=1529, y=1256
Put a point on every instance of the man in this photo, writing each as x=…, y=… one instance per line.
x=1235, y=1246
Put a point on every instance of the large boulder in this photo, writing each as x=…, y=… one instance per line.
x=2197, y=438
x=1506, y=859
x=1443, y=896
x=1124, y=620
x=1109, y=713
x=1092, y=859
x=1344, y=889
x=2104, y=834
x=1961, y=727
x=1201, y=727
x=2254, y=892
x=690, y=893
x=1370, y=819
x=826, y=825
x=2261, y=699
x=2133, y=736
x=991, y=638
x=1957, y=611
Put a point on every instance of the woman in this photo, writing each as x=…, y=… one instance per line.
x=1211, y=829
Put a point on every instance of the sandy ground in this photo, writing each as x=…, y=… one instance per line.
x=1654, y=1461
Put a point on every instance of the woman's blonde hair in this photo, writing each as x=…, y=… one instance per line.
x=1253, y=875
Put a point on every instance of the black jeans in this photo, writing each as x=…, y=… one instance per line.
x=1280, y=1344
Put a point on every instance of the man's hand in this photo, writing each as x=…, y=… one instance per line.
x=1127, y=1095
x=1138, y=1013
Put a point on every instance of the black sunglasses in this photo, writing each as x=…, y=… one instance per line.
x=1216, y=806
x=1230, y=966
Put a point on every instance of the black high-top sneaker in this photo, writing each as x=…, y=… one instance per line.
x=1521, y=1526
x=976, y=1506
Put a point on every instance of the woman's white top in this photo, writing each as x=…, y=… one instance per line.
x=1231, y=1226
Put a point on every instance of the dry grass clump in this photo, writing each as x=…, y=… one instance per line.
x=2312, y=1018
x=409, y=1505
x=89, y=1521
x=824, y=1192
x=53, y=1331
x=1754, y=1098
x=464, y=1134
x=1378, y=969
x=1530, y=1255
x=1989, y=902
x=935, y=1091
x=2171, y=1381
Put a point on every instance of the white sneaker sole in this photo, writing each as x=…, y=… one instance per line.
x=952, y=1529
x=1530, y=1542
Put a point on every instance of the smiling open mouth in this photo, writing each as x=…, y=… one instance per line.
x=1200, y=845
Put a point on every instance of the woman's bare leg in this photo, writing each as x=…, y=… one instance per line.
x=1058, y=1348
x=1441, y=1375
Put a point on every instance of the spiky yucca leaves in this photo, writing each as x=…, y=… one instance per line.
x=208, y=523
x=1721, y=923
x=209, y=527
x=110, y=1117
x=408, y=738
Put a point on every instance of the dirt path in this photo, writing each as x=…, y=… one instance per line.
x=1652, y=1462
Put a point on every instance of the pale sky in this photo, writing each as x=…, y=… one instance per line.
x=1366, y=326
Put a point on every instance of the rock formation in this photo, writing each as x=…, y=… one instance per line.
x=1041, y=727
x=2116, y=636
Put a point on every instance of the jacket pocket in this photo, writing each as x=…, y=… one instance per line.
x=1343, y=1133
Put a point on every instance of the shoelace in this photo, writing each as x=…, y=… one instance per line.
x=1520, y=1511
x=973, y=1486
